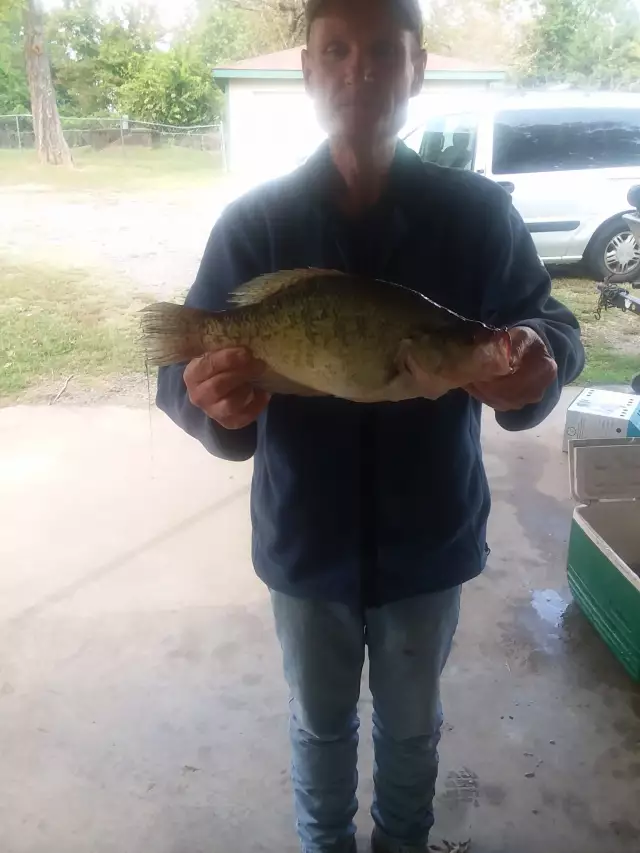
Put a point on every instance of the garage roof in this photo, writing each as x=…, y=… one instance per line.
x=286, y=65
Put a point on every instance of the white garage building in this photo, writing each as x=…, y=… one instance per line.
x=270, y=124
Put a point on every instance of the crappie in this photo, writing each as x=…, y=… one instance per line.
x=331, y=333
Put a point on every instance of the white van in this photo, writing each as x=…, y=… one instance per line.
x=568, y=159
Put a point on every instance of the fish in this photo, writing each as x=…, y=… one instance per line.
x=329, y=333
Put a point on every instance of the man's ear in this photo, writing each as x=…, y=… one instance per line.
x=419, y=66
x=306, y=70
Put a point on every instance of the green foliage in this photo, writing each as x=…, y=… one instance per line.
x=106, y=62
x=92, y=56
x=125, y=42
x=173, y=87
x=484, y=31
x=73, y=36
x=228, y=30
x=593, y=43
x=220, y=33
x=14, y=92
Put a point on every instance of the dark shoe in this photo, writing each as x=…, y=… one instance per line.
x=380, y=843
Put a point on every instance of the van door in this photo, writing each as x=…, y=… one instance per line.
x=557, y=165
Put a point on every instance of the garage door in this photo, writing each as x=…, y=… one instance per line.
x=284, y=130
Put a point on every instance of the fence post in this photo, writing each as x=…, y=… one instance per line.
x=19, y=136
x=124, y=125
x=223, y=136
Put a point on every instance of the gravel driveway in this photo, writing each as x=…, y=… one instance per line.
x=152, y=241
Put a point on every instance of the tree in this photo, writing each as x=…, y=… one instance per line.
x=284, y=19
x=74, y=34
x=221, y=32
x=593, y=43
x=484, y=31
x=14, y=92
x=126, y=40
x=50, y=142
x=275, y=24
x=93, y=56
x=229, y=30
x=172, y=87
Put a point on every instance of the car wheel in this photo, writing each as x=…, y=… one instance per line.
x=615, y=251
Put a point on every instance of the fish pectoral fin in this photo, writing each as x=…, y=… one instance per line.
x=274, y=383
x=411, y=376
x=264, y=286
x=401, y=384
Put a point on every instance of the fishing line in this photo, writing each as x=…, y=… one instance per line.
x=151, y=444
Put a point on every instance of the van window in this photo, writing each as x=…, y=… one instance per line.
x=449, y=140
x=560, y=140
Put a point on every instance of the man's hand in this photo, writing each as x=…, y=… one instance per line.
x=534, y=370
x=219, y=383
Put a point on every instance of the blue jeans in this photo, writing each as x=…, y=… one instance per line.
x=323, y=645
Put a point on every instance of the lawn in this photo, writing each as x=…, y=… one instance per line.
x=612, y=342
x=114, y=169
x=60, y=322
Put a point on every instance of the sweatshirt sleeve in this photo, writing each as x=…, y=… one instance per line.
x=518, y=293
x=237, y=251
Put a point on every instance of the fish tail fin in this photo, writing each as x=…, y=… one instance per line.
x=172, y=333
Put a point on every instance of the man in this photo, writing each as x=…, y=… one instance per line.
x=367, y=519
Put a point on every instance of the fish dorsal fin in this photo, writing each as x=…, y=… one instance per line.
x=264, y=286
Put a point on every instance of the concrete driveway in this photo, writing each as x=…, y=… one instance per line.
x=142, y=707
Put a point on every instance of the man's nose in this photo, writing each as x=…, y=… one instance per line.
x=360, y=67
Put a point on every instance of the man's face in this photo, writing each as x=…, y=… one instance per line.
x=361, y=68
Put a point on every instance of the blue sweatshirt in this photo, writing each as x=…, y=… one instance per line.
x=370, y=503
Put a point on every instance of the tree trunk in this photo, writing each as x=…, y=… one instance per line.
x=50, y=142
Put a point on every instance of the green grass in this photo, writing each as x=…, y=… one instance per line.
x=114, y=168
x=612, y=342
x=55, y=323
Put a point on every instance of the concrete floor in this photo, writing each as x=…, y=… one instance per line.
x=142, y=707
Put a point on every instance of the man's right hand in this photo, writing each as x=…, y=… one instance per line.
x=219, y=383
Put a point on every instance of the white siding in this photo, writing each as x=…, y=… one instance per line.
x=271, y=123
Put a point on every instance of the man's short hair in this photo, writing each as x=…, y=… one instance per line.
x=407, y=12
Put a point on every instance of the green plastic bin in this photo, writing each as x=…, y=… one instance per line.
x=604, y=545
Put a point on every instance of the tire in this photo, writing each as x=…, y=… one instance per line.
x=635, y=384
x=614, y=250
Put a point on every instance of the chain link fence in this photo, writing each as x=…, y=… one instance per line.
x=16, y=131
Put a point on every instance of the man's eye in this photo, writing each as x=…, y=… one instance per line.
x=336, y=50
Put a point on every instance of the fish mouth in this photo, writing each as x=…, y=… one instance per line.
x=492, y=355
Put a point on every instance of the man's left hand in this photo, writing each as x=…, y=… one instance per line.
x=534, y=370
